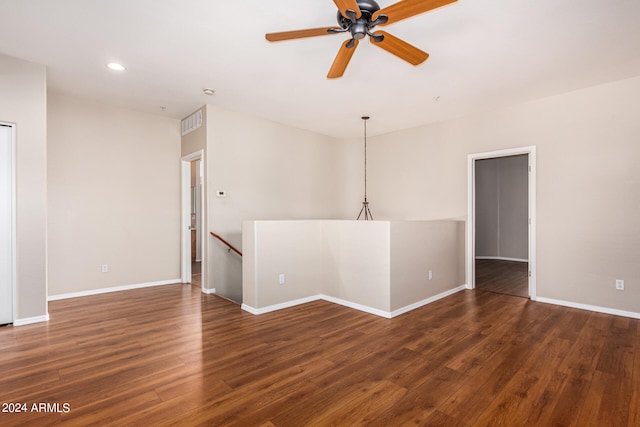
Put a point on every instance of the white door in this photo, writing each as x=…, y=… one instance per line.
x=6, y=225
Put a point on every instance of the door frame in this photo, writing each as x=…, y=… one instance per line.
x=185, y=217
x=13, y=213
x=471, y=214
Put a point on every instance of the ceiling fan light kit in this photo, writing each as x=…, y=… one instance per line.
x=359, y=18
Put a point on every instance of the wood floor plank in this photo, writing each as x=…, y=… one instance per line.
x=127, y=403
x=303, y=392
x=607, y=402
x=361, y=408
x=515, y=351
x=617, y=360
x=424, y=398
x=532, y=390
x=587, y=336
x=173, y=356
x=337, y=402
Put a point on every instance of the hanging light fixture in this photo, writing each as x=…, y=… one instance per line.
x=365, y=204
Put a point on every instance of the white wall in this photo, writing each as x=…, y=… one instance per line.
x=269, y=171
x=487, y=201
x=114, y=197
x=587, y=184
x=513, y=189
x=23, y=102
x=292, y=248
x=356, y=262
x=418, y=247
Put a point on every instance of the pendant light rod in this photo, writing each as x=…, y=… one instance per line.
x=365, y=203
x=365, y=118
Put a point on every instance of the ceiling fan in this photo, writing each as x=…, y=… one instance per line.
x=359, y=17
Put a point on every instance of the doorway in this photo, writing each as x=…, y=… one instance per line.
x=196, y=222
x=501, y=237
x=7, y=223
x=193, y=256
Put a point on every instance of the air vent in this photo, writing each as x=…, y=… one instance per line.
x=192, y=122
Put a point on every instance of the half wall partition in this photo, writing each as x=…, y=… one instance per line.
x=382, y=267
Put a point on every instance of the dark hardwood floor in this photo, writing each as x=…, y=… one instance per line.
x=171, y=355
x=503, y=277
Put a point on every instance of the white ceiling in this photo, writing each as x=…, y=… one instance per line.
x=484, y=54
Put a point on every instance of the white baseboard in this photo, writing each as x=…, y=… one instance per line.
x=31, y=320
x=280, y=306
x=114, y=289
x=293, y=303
x=434, y=298
x=356, y=306
x=589, y=307
x=250, y=309
x=208, y=291
x=501, y=258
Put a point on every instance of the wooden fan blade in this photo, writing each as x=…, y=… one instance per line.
x=401, y=49
x=298, y=34
x=345, y=5
x=407, y=8
x=342, y=59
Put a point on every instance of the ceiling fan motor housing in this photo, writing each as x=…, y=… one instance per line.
x=360, y=27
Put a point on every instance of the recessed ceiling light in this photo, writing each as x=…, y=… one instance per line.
x=208, y=91
x=115, y=66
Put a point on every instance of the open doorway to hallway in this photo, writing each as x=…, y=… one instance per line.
x=193, y=251
x=501, y=233
x=502, y=216
x=196, y=222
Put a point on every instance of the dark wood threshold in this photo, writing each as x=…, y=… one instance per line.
x=503, y=277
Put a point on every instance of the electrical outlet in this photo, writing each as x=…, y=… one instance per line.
x=620, y=284
x=430, y=275
x=105, y=268
x=281, y=278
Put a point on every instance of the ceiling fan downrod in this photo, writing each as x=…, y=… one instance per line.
x=363, y=26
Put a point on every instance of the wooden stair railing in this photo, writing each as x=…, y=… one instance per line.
x=229, y=245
